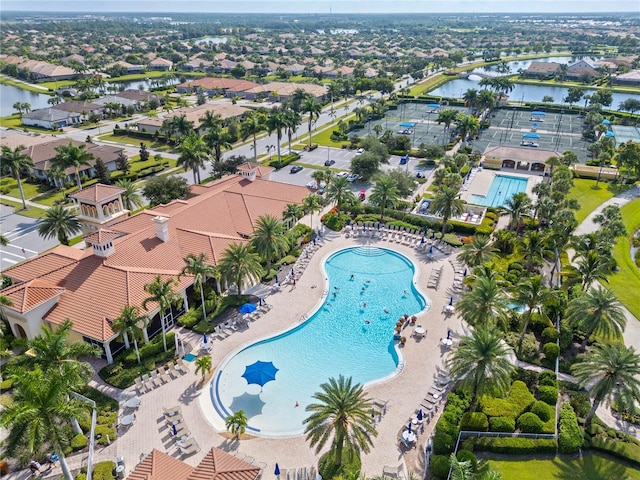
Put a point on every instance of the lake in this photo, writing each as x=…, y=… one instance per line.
x=10, y=95
x=216, y=40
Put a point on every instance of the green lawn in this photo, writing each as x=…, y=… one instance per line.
x=590, y=196
x=625, y=283
x=589, y=467
x=14, y=121
x=9, y=186
x=31, y=212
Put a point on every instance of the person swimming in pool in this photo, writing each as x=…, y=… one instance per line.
x=385, y=310
x=367, y=322
x=352, y=276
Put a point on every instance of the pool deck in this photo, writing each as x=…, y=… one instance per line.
x=423, y=359
x=481, y=183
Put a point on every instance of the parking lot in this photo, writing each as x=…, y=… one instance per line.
x=24, y=240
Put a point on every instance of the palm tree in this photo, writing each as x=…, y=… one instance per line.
x=268, y=239
x=598, y=313
x=339, y=191
x=276, y=121
x=74, y=156
x=342, y=412
x=470, y=98
x=516, y=207
x=486, y=99
x=533, y=295
x=480, y=363
x=215, y=136
x=130, y=197
x=60, y=223
x=447, y=117
x=292, y=120
x=311, y=204
x=239, y=263
x=534, y=247
x=484, y=304
x=130, y=325
x=193, y=153
x=197, y=266
x=313, y=108
x=16, y=161
x=37, y=416
x=251, y=127
x=479, y=251
x=384, y=194
x=468, y=125
x=612, y=371
x=181, y=126
x=447, y=204
x=161, y=292
x=292, y=213
x=592, y=266
x=236, y=423
x=203, y=365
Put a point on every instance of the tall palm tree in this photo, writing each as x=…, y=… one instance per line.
x=161, y=292
x=486, y=99
x=203, y=365
x=276, y=121
x=292, y=213
x=182, y=126
x=236, y=423
x=311, y=204
x=339, y=191
x=292, y=121
x=239, y=263
x=592, y=266
x=532, y=293
x=268, y=239
x=215, y=135
x=612, y=371
x=468, y=125
x=60, y=223
x=130, y=197
x=447, y=117
x=15, y=161
x=251, y=127
x=197, y=266
x=193, y=153
x=447, y=204
x=37, y=416
x=599, y=313
x=535, y=248
x=478, y=251
x=130, y=325
x=470, y=98
x=516, y=206
x=480, y=363
x=384, y=194
x=342, y=411
x=484, y=304
x=313, y=108
x=74, y=156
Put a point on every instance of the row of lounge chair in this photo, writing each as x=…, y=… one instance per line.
x=434, y=278
x=251, y=460
x=302, y=473
x=160, y=376
x=239, y=323
x=378, y=410
x=183, y=439
x=459, y=271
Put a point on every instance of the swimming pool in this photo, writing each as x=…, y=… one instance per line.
x=350, y=333
x=502, y=188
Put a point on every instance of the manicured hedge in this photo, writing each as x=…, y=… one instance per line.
x=518, y=402
x=516, y=446
x=626, y=451
x=529, y=423
x=474, y=421
x=543, y=410
x=439, y=466
x=101, y=471
x=547, y=377
x=551, y=351
x=548, y=394
x=446, y=430
x=570, y=437
x=502, y=424
x=549, y=334
x=79, y=442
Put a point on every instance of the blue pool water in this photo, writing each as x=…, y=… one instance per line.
x=502, y=189
x=350, y=333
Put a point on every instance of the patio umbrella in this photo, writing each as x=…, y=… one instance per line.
x=247, y=308
x=606, y=122
x=431, y=250
x=451, y=301
x=433, y=235
x=260, y=373
x=293, y=272
x=464, y=274
x=260, y=301
x=205, y=340
x=530, y=135
x=378, y=225
x=174, y=429
x=276, y=279
x=422, y=240
x=609, y=134
x=425, y=230
x=419, y=416
x=276, y=472
x=448, y=333
x=409, y=427
x=314, y=240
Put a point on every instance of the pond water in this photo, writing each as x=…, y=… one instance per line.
x=10, y=95
x=216, y=40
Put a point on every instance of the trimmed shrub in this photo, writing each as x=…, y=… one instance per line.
x=569, y=434
x=626, y=451
x=443, y=443
x=502, y=424
x=517, y=446
x=103, y=470
x=474, y=421
x=104, y=431
x=467, y=456
x=547, y=377
x=439, y=466
x=328, y=468
x=548, y=394
x=543, y=410
x=518, y=402
x=549, y=334
x=468, y=444
x=551, y=351
x=79, y=442
x=529, y=423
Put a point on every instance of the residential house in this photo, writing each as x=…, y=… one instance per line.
x=127, y=98
x=223, y=66
x=51, y=118
x=631, y=79
x=542, y=69
x=197, y=65
x=581, y=69
x=73, y=58
x=342, y=71
x=42, y=71
x=160, y=64
x=214, y=86
x=90, y=287
x=83, y=108
x=129, y=68
x=281, y=91
x=194, y=115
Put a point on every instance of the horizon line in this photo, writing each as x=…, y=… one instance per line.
x=328, y=13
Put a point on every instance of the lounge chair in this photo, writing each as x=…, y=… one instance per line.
x=140, y=386
x=393, y=472
x=292, y=474
x=249, y=459
x=169, y=412
x=311, y=473
x=155, y=378
x=180, y=365
x=147, y=381
x=380, y=405
x=190, y=450
x=183, y=432
x=302, y=473
x=186, y=443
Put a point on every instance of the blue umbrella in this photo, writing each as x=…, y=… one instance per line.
x=422, y=240
x=431, y=249
x=409, y=427
x=260, y=373
x=314, y=240
x=606, y=122
x=419, y=417
x=425, y=230
x=534, y=124
x=293, y=272
x=205, y=340
x=276, y=472
x=247, y=308
x=433, y=235
x=378, y=225
x=175, y=430
x=609, y=134
x=276, y=279
x=451, y=301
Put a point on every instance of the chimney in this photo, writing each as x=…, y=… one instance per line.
x=162, y=227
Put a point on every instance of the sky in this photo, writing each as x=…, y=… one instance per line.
x=323, y=6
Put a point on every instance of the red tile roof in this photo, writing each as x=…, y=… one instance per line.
x=97, y=192
x=26, y=296
x=101, y=236
x=160, y=466
x=219, y=465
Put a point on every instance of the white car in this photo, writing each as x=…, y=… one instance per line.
x=342, y=174
x=359, y=151
x=352, y=177
x=312, y=185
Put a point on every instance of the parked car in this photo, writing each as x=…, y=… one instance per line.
x=342, y=174
x=328, y=163
x=352, y=177
x=295, y=169
x=312, y=185
x=359, y=151
x=406, y=131
x=404, y=159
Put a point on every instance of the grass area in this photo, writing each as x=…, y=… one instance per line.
x=590, y=467
x=23, y=85
x=31, y=212
x=58, y=84
x=14, y=121
x=625, y=283
x=9, y=186
x=590, y=197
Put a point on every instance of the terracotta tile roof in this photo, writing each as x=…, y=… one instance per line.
x=211, y=83
x=96, y=192
x=219, y=465
x=101, y=236
x=39, y=266
x=26, y=296
x=160, y=466
x=261, y=170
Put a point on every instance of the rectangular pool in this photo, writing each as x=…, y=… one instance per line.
x=502, y=189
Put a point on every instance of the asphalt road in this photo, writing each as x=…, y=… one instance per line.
x=24, y=240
